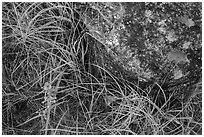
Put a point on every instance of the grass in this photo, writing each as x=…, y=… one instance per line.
x=48, y=88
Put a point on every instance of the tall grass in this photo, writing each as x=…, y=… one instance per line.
x=51, y=85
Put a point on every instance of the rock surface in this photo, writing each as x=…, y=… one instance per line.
x=148, y=39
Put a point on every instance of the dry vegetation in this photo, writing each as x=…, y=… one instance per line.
x=51, y=85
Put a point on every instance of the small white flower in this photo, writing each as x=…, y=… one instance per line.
x=47, y=86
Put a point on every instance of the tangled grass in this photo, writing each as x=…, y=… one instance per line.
x=48, y=88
